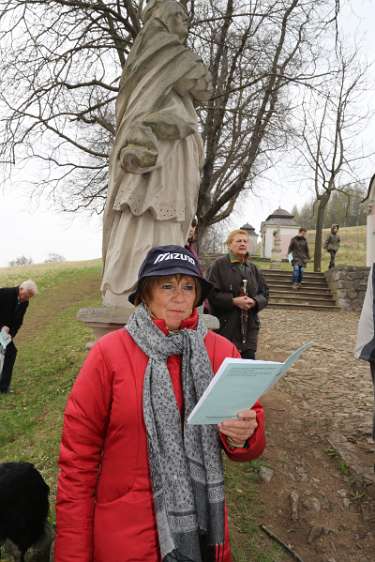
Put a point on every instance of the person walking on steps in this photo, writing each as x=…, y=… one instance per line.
x=299, y=250
x=332, y=244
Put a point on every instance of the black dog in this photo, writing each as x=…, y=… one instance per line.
x=24, y=504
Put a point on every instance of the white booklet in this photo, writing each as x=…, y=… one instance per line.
x=4, y=340
x=237, y=385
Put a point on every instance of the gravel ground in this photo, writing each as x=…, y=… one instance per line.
x=327, y=379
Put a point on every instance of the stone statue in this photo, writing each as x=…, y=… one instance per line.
x=157, y=154
x=276, y=245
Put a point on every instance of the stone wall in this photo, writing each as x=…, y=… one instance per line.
x=348, y=285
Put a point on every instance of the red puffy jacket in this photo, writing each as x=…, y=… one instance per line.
x=104, y=509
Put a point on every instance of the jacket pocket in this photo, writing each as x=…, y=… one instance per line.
x=125, y=529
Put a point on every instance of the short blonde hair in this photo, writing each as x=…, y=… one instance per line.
x=235, y=233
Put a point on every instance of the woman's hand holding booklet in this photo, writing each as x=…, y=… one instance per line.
x=237, y=386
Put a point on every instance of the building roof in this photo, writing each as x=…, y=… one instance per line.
x=248, y=227
x=280, y=216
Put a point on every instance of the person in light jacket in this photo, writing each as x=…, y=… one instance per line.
x=365, y=346
x=136, y=481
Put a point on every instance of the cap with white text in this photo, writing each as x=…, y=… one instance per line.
x=163, y=261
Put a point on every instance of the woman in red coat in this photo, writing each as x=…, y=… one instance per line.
x=136, y=482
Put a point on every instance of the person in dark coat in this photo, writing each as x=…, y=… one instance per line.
x=239, y=293
x=332, y=244
x=13, y=305
x=299, y=249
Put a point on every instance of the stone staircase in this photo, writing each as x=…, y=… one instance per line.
x=314, y=292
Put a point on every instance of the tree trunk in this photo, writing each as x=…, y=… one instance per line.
x=201, y=232
x=318, y=230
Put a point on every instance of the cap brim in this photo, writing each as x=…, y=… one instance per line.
x=206, y=286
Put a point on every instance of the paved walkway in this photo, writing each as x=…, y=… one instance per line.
x=327, y=379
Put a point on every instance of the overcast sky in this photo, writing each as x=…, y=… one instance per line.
x=34, y=229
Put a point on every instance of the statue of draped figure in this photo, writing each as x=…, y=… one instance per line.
x=157, y=154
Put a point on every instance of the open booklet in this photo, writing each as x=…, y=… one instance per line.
x=237, y=385
x=4, y=340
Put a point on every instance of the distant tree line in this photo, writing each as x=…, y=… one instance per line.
x=344, y=208
x=54, y=258
x=20, y=260
x=23, y=260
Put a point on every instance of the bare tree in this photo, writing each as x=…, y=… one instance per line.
x=327, y=142
x=21, y=260
x=345, y=208
x=60, y=65
x=254, y=61
x=54, y=258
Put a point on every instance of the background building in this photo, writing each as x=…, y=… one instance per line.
x=253, y=237
x=276, y=232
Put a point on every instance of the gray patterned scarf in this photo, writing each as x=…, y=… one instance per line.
x=185, y=460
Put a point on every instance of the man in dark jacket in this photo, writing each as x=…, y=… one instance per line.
x=240, y=292
x=13, y=305
x=299, y=250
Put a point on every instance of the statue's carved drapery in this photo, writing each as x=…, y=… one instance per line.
x=157, y=154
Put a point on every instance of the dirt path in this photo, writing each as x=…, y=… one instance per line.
x=314, y=501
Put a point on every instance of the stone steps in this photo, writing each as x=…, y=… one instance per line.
x=287, y=288
x=300, y=297
x=314, y=292
x=287, y=278
x=283, y=270
x=288, y=285
x=274, y=302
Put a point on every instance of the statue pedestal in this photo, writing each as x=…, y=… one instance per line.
x=105, y=319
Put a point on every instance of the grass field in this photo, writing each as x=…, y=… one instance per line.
x=51, y=347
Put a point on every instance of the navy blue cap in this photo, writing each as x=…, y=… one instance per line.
x=171, y=260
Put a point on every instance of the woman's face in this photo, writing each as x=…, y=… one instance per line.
x=239, y=245
x=172, y=300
